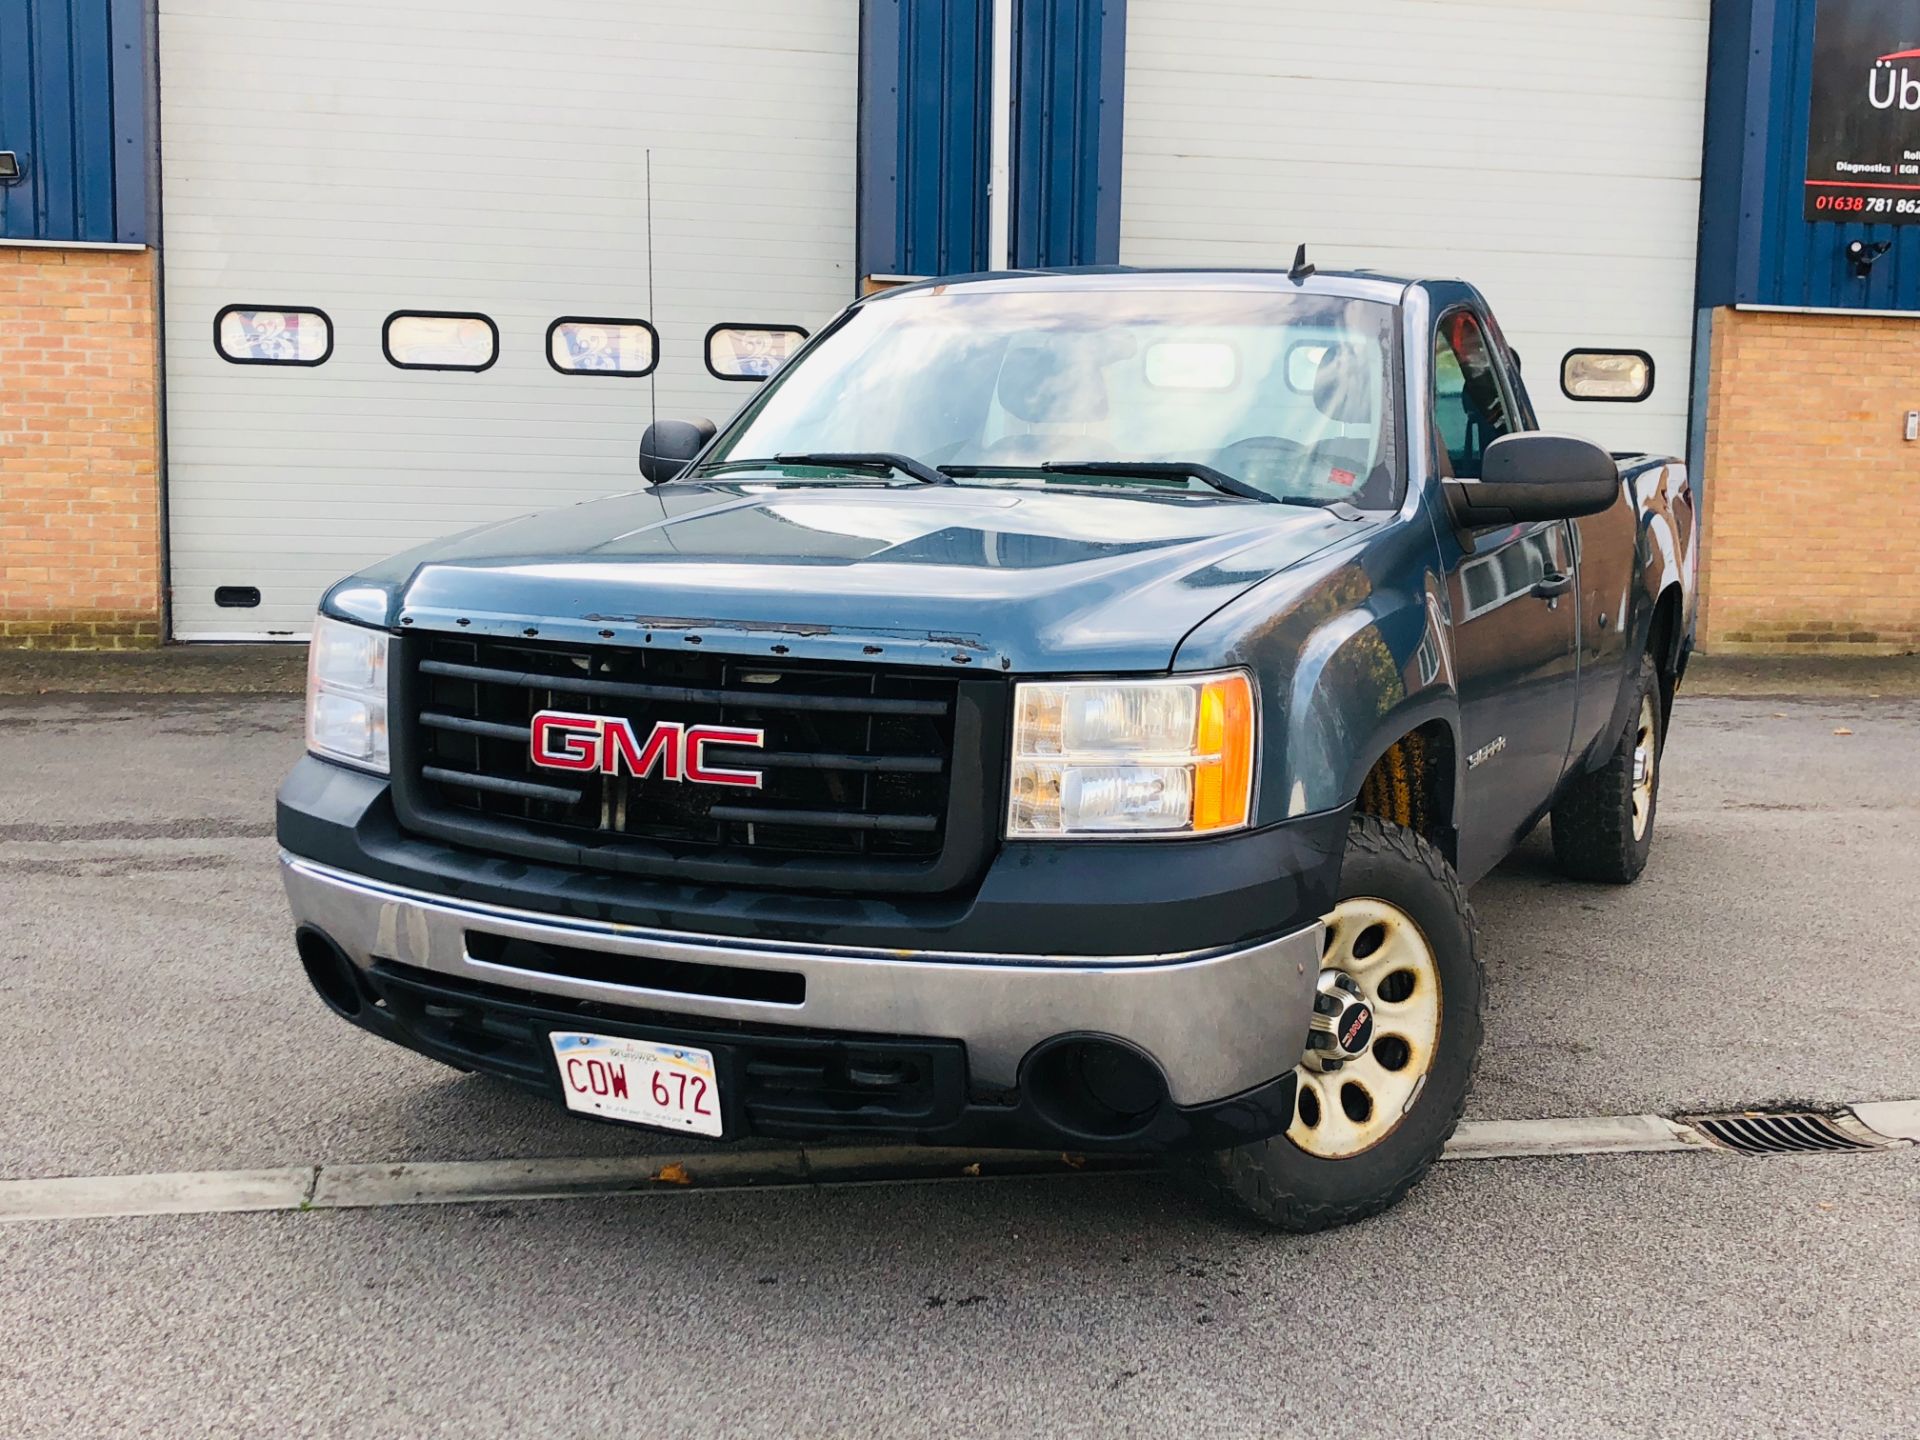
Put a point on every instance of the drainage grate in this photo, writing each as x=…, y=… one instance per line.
x=1785, y=1132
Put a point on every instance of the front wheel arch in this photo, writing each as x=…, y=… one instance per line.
x=1413, y=781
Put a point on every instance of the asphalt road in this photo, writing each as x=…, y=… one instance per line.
x=1695, y=1295
x=152, y=1017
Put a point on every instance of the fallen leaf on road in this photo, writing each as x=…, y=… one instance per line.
x=1843, y=731
x=1078, y=1162
x=674, y=1174
x=1824, y=1205
x=973, y=1169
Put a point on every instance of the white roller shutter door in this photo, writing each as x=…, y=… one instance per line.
x=1550, y=154
x=365, y=156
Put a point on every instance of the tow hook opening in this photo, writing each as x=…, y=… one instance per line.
x=1093, y=1086
x=328, y=971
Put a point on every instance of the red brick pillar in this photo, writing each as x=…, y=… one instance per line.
x=80, y=541
x=1812, y=525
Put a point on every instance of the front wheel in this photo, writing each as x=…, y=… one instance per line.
x=1390, y=1058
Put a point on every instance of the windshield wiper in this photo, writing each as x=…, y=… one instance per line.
x=1160, y=470
x=869, y=460
x=864, y=461
x=1155, y=470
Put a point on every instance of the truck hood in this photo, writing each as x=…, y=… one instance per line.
x=998, y=578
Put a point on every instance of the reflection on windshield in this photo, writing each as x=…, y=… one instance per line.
x=1288, y=393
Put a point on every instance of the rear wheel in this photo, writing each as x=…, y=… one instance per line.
x=1395, y=1033
x=1603, y=823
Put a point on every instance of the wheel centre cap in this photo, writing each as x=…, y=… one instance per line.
x=1342, y=1023
x=1354, y=1029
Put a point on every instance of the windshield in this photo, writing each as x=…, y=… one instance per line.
x=1290, y=394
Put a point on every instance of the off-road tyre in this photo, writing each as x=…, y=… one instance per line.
x=1282, y=1186
x=1593, y=829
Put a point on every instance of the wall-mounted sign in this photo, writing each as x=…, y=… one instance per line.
x=1863, y=129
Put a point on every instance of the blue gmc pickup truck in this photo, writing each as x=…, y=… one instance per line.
x=1060, y=710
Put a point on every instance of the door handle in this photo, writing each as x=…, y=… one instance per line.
x=1547, y=586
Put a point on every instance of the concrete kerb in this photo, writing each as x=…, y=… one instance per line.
x=367, y=1186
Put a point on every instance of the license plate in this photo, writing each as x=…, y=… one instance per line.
x=668, y=1086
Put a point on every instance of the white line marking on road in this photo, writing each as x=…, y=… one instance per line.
x=1895, y=1119
x=363, y=1186
x=201, y=1192
x=1577, y=1135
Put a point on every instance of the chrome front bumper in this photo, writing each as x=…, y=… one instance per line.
x=1218, y=1022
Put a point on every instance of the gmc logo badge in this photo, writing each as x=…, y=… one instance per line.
x=563, y=740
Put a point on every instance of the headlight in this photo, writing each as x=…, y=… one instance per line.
x=347, y=694
x=1132, y=757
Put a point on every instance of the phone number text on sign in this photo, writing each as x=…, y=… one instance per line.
x=1866, y=205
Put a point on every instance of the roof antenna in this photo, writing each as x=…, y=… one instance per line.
x=1301, y=269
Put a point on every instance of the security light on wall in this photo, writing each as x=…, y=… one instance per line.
x=1860, y=257
x=10, y=167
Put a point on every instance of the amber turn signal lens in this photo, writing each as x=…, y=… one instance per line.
x=1223, y=755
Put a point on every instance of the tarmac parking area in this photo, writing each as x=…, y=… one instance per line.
x=153, y=1018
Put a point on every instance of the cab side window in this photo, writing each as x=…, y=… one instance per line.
x=1470, y=410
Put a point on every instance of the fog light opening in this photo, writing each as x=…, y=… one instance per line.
x=1092, y=1086
x=328, y=971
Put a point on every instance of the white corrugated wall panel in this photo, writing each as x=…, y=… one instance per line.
x=367, y=156
x=1549, y=153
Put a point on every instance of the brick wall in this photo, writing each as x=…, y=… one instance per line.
x=1812, y=521
x=79, y=453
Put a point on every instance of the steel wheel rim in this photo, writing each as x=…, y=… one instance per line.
x=1646, y=760
x=1328, y=1122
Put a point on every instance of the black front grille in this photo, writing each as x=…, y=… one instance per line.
x=860, y=766
x=773, y=1080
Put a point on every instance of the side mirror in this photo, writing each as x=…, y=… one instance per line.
x=1535, y=476
x=668, y=445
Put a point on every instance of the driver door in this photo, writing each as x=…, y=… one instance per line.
x=1515, y=607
